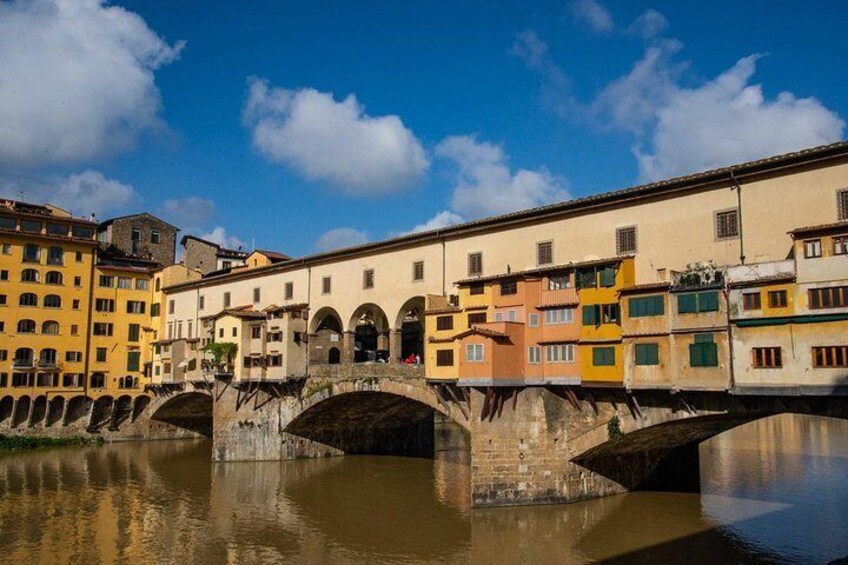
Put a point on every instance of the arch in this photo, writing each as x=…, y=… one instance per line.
x=78, y=407
x=140, y=404
x=30, y=275
x=370, y=327
x=26, y=326
x=410, y=323
x=39, y=410
x=32, y=253
x=101, y=411
x=7, y=404
x=326, y=318
x=389, y=418
x=52, y=301
x=325, y=334
x=24, y=357
x=55, y=410
x=53, y=277
x=21, y=411
x=121, y=411
x=50, y=327
x=28, y=299
x=191, y=411
x=334, y=356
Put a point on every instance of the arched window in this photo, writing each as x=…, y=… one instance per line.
x=47, y=358
x=29, y=275
x=98, y=380
x=23, y=357
x=50, y=327
x=55, y=256
x=53, y=277
x=32, y=253
x=52, y=301
x=28, y=299
x=26, y=327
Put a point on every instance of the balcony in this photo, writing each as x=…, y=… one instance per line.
x=20, y=364
x=48, y=364
x=561, y=297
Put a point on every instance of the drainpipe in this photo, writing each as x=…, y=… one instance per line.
x=87, y=364
x=738, y=188
x=444, y=284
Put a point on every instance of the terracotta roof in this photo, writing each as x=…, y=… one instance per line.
x=273, y=255
x=647, y=287
x=29, y=235
x=719, y=176
x=545, y=269
x=773, y=279
x=285, y=308
x=445, y=310
x=221, y=251
x=481, y=331
x=841, y=225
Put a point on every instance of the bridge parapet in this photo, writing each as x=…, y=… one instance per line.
x=366, y=371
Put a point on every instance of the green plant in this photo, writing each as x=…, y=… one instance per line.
x=315, y=388
x=614, y=428
x=222, y=352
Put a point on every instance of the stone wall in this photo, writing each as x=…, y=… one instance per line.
x=162, y=252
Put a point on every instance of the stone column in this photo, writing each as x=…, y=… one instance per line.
x=348, y=346
x=395, y=346
x=383, y=341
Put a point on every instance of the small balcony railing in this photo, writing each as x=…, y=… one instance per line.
x=23, y=364
x=560, y=297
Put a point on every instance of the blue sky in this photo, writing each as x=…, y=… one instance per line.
x=236, y=122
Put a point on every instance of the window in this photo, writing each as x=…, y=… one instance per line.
x=609, y=314
x=444, y=323
x=560, y=353
x=255, y=332
x=840, y=245
x=474, y=352
x=155, y=309
x=534, y=354
x=418, y=271
x=829, y=297
x=777, y=299
x=50, y=327
x=57, y=229
x=444, y=358
x=135, y=238
x=29, y=275
x=53, y=277
x=75, y=304
x=77, y=281
x=235, y=332
x=78, y=256
x=52, y=301
x=703, y=352
x=644, y=306
x=73, y=356
x=289, y=290
x=509, y=287
x=326, y=285
x=2, y=299
x=4, y=275
x=831, y=356
x=133, y=358
x=171, y=305
x=28, y=299
x=603, y=356
x=842, y=204
x=591, y=315
x=559, y=316
x=32, y=253
x=476, y=318
x=7, y=223
x=104, y=305
x=26, y=326
x=812, y=248
x=124, y=282
x=142, y=284
x=751, y=301
x=106, y=281
x=72, y=380
x=226, y=264
x=766, y=357
x=694, y=302
x=368, y=278
x=475, y=264
x=180, y=329
x=647, y=354
x=510, y=316
x=499, y=316
x=101, y=354
x=476, y=289
x=154, y=236
x=607, y=276
x=74, y=329
x=30, y=226
x=625, y=240
x=533, y=320
x=544, y=253
x=727, y=224
x=189, y=335
x=221, y=332
x=55, y=256
x=82, y=232
x=134, y=332
x=587, y=278
x=102, y=328
x=4, y=355
x=136, y=307
x=257, y=295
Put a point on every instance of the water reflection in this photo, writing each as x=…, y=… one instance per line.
x=774, y=491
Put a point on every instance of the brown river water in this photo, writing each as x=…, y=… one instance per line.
x=774, y=491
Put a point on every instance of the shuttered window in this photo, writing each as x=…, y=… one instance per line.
x=625, y=240
x=829, y=297
x=476, y=318
x=475, y=264
x=444, y=358
x=509, y=287
x=766, y=357
x=645, y=306
x=418, y=271
x=368, y=278
x=647, y=354
x=693, y=302
x=133, y=360
x=544, y=253
x=607, y=276
x=831, y=356
x=587, y=278
x=703, y=352
x=842, y=204
x=777, y=299
x=591, y=315
x=603, y=356
x=444, y=323
x=751, y=301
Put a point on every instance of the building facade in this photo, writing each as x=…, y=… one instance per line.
x=141, y=236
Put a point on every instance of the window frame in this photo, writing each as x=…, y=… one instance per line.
x=542, y=248
x=718, y=224
x=475, y=264
x=622, y=235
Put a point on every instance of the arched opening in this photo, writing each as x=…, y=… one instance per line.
x=325, y=334
x=21, y=411
x=410, y=321
x=97, y=380
x=121, y=411
x=140, y=405
x=190, y=411
x=335, y=356
x=372, y=423
x=39, y=410
x=7, y=403
x=55, y=409
x=370, y=328
x=101, y=412
x=78, y=408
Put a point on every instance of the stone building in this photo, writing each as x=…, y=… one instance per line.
x=208, y=257
x=142, y=236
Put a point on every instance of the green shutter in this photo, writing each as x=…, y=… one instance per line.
x=708, y=301
x=590, y=315
x=134, y=332
x=646, y=306
x=603, y=356
x=695, y=357
x=647, y=354
x=687, y=303
x=710, y=354
x=132, y=360
x=703, y=354
x=704, y=338
x=586, y=278
x=656, y=306
x=608, y=276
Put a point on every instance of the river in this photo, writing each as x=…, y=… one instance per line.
x=775, y=490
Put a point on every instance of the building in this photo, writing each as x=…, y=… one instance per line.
x=141, y=236
x=208, y=257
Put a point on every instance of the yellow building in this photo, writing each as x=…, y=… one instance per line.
x=46, y=261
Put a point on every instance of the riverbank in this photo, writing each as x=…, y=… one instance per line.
x=20, y=443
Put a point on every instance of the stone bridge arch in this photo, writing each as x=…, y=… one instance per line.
x=190, y=411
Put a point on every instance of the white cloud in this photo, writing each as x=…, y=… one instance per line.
x=443, y=219
x=649, y=24
x=556, y=91
x=331, y=141
x=339, y=238
x=77, y=80
x=486, y=186
x=80, y=193
x=219, y=235
x=190, y=212
x=726, y=120
x=593, y=14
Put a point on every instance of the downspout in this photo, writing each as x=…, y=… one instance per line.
x=731, y=365
x=86, y=367
x=738, y=188
x=444, y=283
